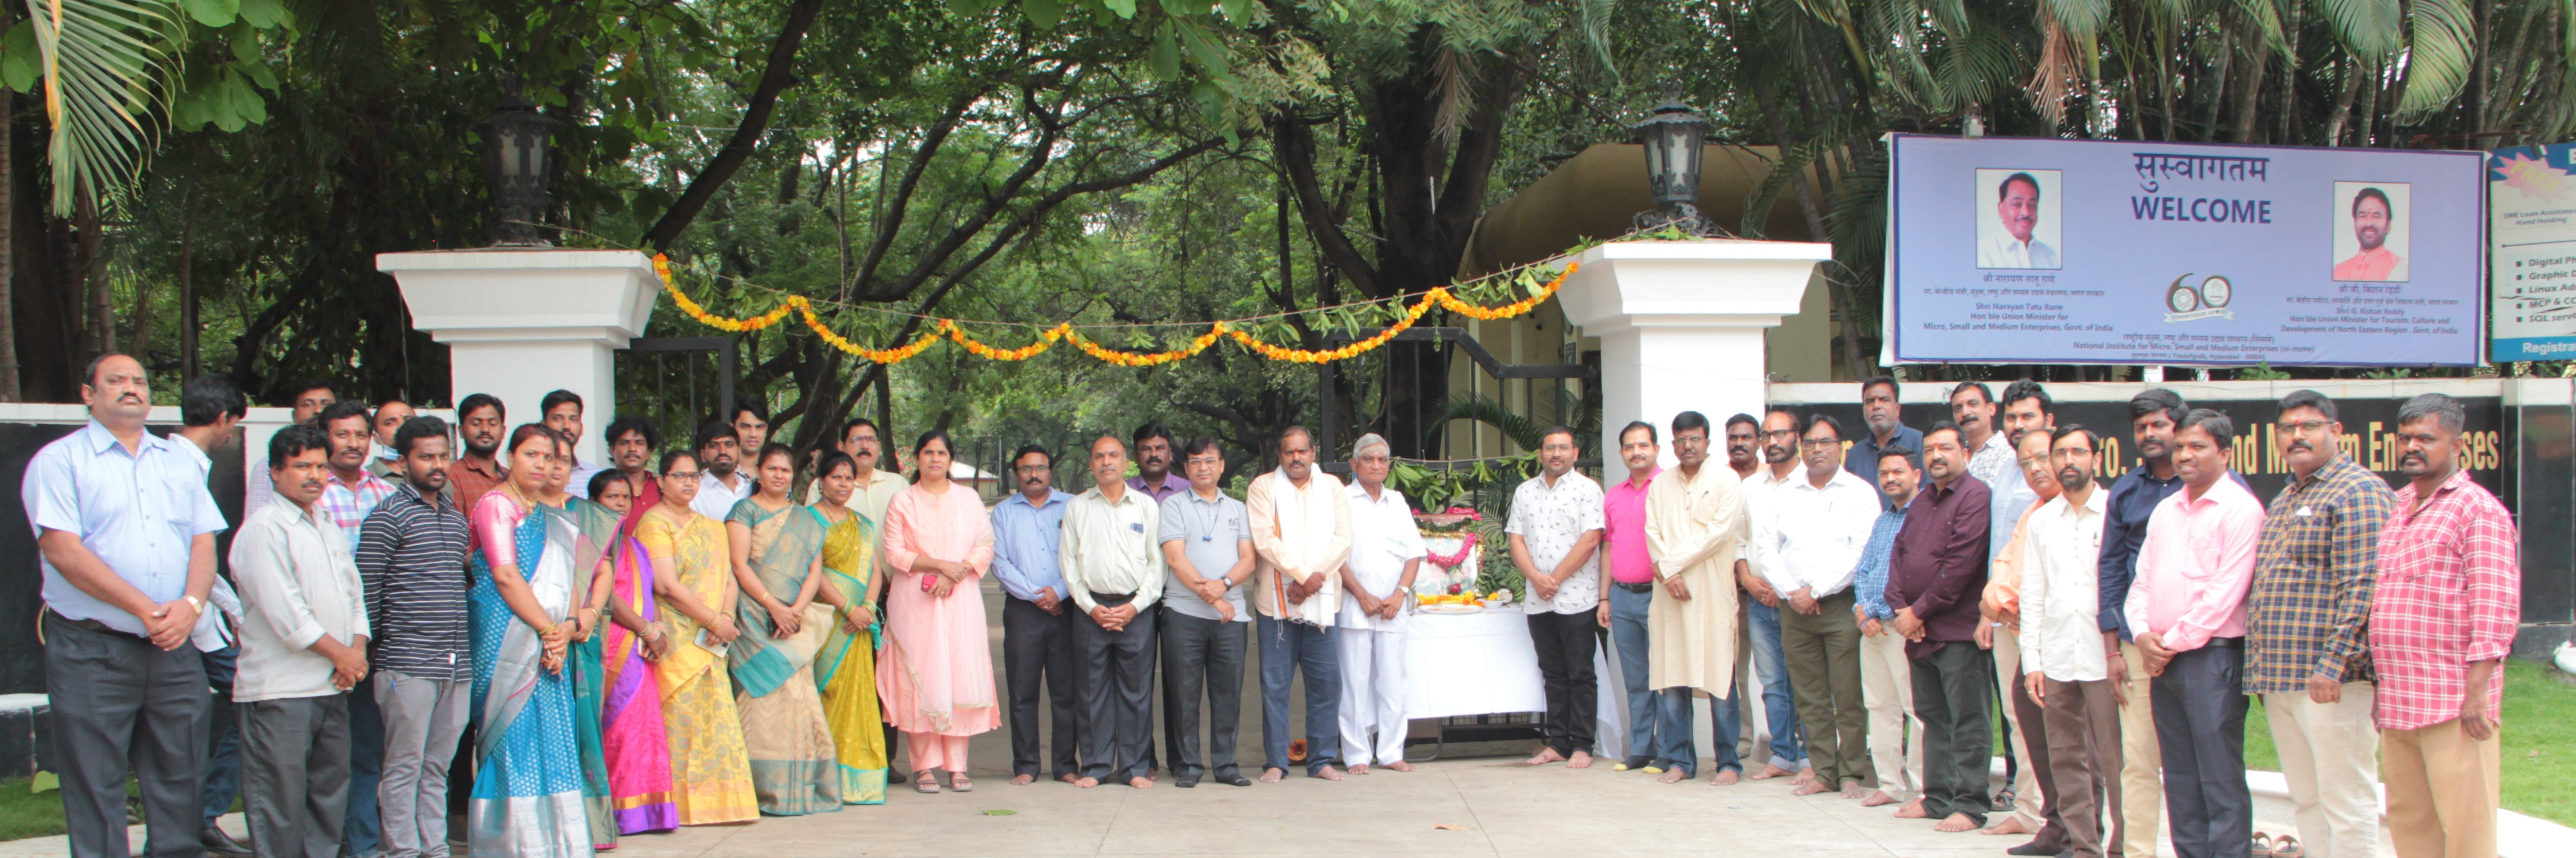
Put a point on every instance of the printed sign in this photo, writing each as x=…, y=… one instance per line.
x=2531, y=199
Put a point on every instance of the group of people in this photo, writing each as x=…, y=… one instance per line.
x=1895, y=583
x=565, y=653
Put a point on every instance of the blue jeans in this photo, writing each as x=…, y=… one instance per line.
x=1788, y=742
x=223, y=763
x=1659, y=720
x=1285, y=648
x=363, y=831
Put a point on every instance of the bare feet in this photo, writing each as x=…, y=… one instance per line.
x=2010, y=825
x=1069, y=778
x=1272, y=776
x=1851, y=789
x=1582, y=760
x=1725, y=777
x=1878, y=798
x=1806, y=775
x=1359, y=768
x=1023, y=780
x=1807, y=788
x=1671, y=776
x=1085, y=783
x=1399, y=766
x=1327, y=773
x=1957, y=822
x=1141, y=783
x=1544, y=757
x=1770, y=771
x=1912, y=810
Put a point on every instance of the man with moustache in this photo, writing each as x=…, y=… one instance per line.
x=1991, y=459
x=1112, y=561
x=411, y=556
x=1555, y=533
x=1694, y=526
x=2017, y=205
x=1207, y=547
x=1377, y=583
x=382, y=461
x=1301, y=533
x=1154, y=474
x=2306, y=651
x=1788, y=752
x=1743, y=445
x=1820, y=523
x=2186, y=610
x=2063, y=662
x=561, y=410
x=2372, y=215
x=1037, y=634
x=304, y=644
x=877, y=479
x=1879, y=415
x=211, y=409
x=1887, y=679
x=720, y=485
x=1935, y=569
x=481, y=420
x=2131, y=502
x=349, y=495
x=1660, y=739
x=2027, y=414
x=2441, y=621
x=125, y=534
x=632, y=443
x=305, y=399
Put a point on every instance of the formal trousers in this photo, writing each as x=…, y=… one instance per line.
x=2083, y=728
x=1116, y=679
x=423, y=720
x=296, y=771
x=1373, y=723
x=119, y=701
x=1822, y=652
x=1660, y=729
x=2443, y=790
x=1779, y=697
x=1202, y=663
x=1895, y=734
x=223, y=757
x=1951, y=687
x=2330, y=756
x=2034, y=790
x=2142, y=785
x=1566, y=644
x=1290, y=649
x=362, y=831
x=2200, y=725
x=1037, y=649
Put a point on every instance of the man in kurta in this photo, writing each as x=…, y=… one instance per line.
x=1377, y=589
x=1301, y=533
x=1113, y=568
x=1694, y=527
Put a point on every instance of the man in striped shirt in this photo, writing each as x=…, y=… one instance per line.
x=411, y=554
x=2441, y=621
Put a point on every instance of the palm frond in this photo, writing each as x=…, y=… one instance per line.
x=2370, y=30
x=2443, y=40
x=104, y=71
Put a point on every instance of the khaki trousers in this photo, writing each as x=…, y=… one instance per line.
x=2142, y=788
x=2443, y=791
x=2330, y=755
x=2083, y=747
x=1887, y=688
x=2008, y=677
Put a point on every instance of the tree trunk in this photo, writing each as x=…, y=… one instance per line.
x=774, y=79
x=91, y=274
x=9, y=391
x=2352, y=74
x=2250, y=102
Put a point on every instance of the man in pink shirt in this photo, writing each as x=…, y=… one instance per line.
x=1659, y=721
x=2188, y=609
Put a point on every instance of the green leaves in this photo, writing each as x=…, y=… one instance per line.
x=2438, y=61
x=212, y=13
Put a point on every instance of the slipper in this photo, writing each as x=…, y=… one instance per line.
x=2262, y=846
x=2287, y=846
x=927, y=783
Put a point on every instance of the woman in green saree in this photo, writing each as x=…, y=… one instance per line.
x=777, y=557
x=847, y=668
x=581, y=529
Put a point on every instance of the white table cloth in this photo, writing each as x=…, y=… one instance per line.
x=1484, y=663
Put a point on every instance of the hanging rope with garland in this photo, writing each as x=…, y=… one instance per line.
x=1442, y=296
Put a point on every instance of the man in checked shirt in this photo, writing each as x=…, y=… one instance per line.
x=2441, y=621
x=2304, y=652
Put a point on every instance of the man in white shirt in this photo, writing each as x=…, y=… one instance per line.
x=304, y=645
x=1809, y=554
x=561, y=411
x=1377, y=582
x=211, y=409
x=720, y=485
x=1762, y=606
x=2063, y=650
x=2017, y=205
x=1301, y=530
x=1555, y=531
x=1112, y=561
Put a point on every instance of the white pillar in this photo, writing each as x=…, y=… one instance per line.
x=519, y=324
x=1681, y=326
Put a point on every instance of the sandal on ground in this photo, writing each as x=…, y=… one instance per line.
x=927, y=783
x=960, y=782
x=2262, y=846
x=2287, y=846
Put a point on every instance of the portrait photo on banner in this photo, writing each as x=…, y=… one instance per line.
x=2371, y=224
x=2017, y=223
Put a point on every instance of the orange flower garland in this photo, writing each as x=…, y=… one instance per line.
x=949, y=329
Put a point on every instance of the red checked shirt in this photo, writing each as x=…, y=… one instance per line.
x=2450, y=589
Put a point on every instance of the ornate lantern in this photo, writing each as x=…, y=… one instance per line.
x=515, y=162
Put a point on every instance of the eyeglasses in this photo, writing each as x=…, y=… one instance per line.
x=2288, y=427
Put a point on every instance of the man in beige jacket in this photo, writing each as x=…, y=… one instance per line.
x=1694, y=527
x=1301, y=533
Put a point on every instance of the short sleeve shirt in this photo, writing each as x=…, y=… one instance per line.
x=140, y=511
x=1549, y=520
x=1211, y=532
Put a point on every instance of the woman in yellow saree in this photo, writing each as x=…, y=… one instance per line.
x=846, y=668
x=710, y=770
x=777, y=560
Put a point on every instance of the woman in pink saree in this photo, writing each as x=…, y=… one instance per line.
x=630, y=706
x=935, y=674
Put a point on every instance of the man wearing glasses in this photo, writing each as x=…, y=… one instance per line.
x=1762, y=610
x=1821, y=522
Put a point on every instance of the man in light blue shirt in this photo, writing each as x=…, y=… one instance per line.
x=126, y=532
x=1886, y=678
x=1037, y=632
x=1207, y=550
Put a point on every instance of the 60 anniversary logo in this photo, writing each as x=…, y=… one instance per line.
x=2206, y=300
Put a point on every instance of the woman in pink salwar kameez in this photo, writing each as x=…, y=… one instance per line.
x=935, y=673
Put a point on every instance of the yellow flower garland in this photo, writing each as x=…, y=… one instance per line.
x=948, y=328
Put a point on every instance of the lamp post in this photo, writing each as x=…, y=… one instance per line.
x=1672, y=135
x=515, y=163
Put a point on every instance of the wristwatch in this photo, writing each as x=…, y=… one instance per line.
x=194, y=603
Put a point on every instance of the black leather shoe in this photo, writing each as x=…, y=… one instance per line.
x=2036, y=848
x=1234, y=779
x=1189, y=782
x=219, y=843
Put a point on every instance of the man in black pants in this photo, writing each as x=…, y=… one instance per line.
x=1934, y=573
x=1555, y=532
x=1112, y=562
x=1037, y=633
x=1207, y=547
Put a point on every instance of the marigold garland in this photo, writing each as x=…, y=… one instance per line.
x=948, y=328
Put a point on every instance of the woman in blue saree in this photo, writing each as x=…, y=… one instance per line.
x=527, y=799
